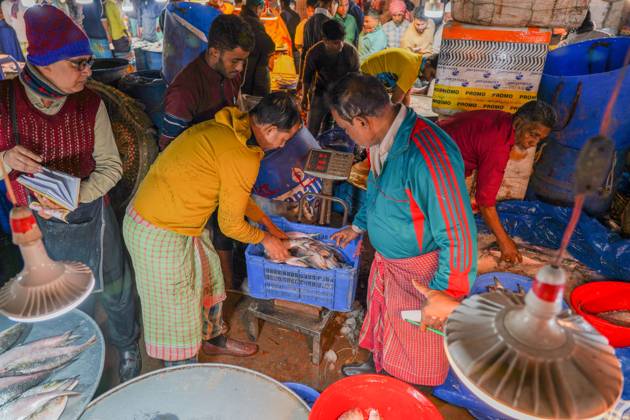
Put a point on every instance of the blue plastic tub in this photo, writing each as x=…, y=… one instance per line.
x=153, y=60
x=332, y=289
x=553, y=180
x=578, y=80
x=148, y=88
x=308, y=394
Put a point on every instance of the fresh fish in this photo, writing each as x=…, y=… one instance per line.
x=311, y=253
x=301, y=235
x=620, y=317
x=54, y=341
x=12, y=387
x=54, y=408
x=22, y=360
x=14, y=335
x=56, y=385
x=22, y=408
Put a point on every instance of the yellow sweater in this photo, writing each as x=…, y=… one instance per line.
x=402, y=63
x=209, y=165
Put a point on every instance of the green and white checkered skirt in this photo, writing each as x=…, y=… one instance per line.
x=178, y=279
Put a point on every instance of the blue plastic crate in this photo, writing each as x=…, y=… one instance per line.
x=332, y=289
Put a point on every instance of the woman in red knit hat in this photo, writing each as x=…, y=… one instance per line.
x=49, y=119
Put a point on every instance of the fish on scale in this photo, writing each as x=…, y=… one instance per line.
x=308, y=252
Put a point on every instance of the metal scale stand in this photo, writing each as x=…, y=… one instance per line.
x=329, y=166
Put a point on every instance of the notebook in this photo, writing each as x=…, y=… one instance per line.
x=59, y=187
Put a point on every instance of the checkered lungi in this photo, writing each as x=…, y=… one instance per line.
x=398, y=346
x=178, y=279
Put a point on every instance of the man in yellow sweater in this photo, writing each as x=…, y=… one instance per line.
x=212, y=165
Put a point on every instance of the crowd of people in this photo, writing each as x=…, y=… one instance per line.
x=195, y=201
x=109, y=24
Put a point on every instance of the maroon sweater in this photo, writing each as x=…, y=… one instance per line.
x=65, y=141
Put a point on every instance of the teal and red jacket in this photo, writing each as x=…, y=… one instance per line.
x=419, y=204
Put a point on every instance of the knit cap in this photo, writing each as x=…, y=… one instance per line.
x=52, y=36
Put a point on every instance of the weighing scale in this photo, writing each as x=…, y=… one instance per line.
x=329, y=166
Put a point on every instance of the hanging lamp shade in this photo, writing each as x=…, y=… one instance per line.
x=44, y=289
x=525, y=356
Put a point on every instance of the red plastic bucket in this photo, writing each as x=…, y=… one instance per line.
x=590, y=299
x=394, y=399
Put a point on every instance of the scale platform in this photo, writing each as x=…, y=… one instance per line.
x=313, y=328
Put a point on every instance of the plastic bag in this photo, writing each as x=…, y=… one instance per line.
x=281, y=175
x=543, y=224
x=186, y=27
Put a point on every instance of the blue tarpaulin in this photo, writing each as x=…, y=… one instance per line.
x=592, y=244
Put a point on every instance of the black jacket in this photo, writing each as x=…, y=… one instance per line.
x=256, y=81
x=313, y=33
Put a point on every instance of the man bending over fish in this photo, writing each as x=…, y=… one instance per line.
x=178, y=273
x=420, y=222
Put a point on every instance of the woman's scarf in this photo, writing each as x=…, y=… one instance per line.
x=36, y=82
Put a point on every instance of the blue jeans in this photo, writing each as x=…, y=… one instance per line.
x=149, y=25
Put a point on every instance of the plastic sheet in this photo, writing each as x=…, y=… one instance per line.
x=543, y=224
x=186, y=27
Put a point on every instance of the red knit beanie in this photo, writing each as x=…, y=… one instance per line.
x=52, y=36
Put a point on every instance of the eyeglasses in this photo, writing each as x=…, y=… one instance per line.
x=82, y=64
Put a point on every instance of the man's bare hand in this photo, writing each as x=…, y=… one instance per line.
x=344, y=236
x=277, y=249
x=438, y=307
x=509, y=252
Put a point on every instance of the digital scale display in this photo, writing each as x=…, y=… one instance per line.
x=329, y=164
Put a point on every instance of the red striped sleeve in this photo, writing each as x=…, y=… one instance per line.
x=451, y=207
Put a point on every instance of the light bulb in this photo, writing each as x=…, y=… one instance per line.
x=84, y=1
x=28, y=3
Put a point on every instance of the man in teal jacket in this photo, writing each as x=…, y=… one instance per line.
x=418, y=215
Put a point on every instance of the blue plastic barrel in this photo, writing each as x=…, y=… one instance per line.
x=578, y=80
x=308, y=394
x=141, y=59
x=153, y=60
x=553, y=179
x=148, y=88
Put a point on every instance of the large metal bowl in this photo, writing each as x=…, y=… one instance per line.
x=200, y=391
x=88, y=367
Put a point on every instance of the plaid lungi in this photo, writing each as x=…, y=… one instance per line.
x=398, y=346
x=178, y=279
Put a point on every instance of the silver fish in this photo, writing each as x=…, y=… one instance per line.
x=12, y=387
x=301, y=235
x=22, y=408
x=14, y=335
x=22, y=360
x=311, y=253
x=54, y=341
x=55, y=385
x=54, y=408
